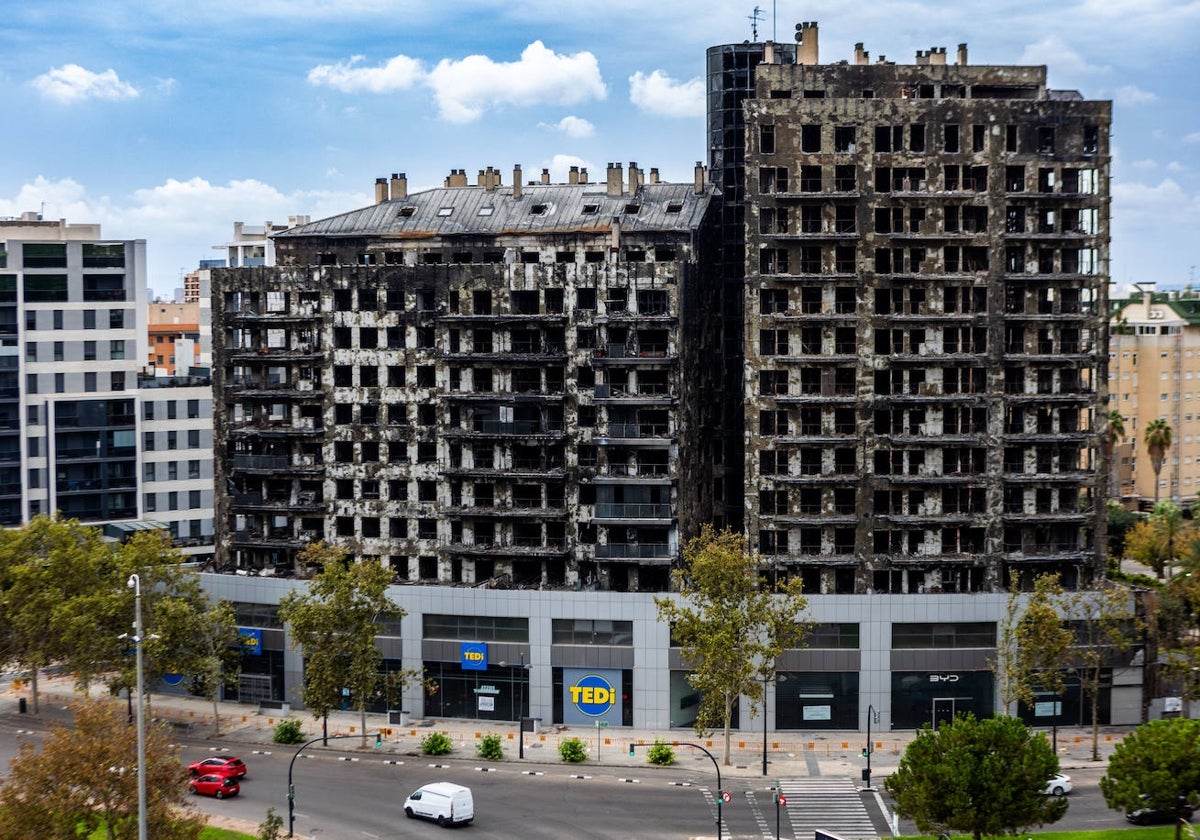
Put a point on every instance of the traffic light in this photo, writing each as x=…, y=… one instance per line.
x=379, y=738
x=864, y=752
x=631, y=746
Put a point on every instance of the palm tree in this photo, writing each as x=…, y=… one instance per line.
x=1114, y=432
x=1158, y=441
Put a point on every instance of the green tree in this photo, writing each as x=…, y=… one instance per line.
x=1154, y=766
x=1106, y=628
x=1033, y=644
x=1145, y=544
x=1120, y=520
x=1114, y=433
x=199, y=639
x=730, y=627
x=334, y=624
x=980, y=777
x=46, y=567
x=86, y=775
x=1158, y=440
x=96, y=625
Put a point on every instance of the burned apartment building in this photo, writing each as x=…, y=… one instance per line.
x=927, y=256
x=477, y=384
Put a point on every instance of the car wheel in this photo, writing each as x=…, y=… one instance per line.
x=1058, y=791
x=220, y=794
x=441, y=821
x=195, y=792
x=408, y=812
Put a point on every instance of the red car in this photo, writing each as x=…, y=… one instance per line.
x=211, y=784
x=219, y=766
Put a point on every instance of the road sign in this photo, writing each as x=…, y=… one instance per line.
x=726, y=796
x=782, y=800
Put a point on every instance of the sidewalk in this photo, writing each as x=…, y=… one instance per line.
x=789, y=753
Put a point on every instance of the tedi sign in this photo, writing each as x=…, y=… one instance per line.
x=591, y=695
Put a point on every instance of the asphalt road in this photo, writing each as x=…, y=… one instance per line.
x=352, y=793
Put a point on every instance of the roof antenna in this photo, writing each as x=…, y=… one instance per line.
x=754, y=19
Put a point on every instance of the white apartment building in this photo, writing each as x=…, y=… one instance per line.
x=74, y=399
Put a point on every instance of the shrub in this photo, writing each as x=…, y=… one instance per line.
x=288, y=731
x=436, y=743
x=660, y=754
x=271, y=828
x=572, y=750
x=489, y=748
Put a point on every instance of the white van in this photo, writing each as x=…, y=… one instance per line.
x=448, y=803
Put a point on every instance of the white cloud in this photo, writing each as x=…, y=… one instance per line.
x=72, y=83
x=1176, y=166
x=179, y=219
x=1194, y=137
x=1065, y=65
x=659, y=94
x=397, y=73
x=560, y=167
x=1145, y=163
x=464, y=89
x=575, y=127
x=1133, y=95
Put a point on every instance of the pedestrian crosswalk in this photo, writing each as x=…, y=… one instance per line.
x=830, y=804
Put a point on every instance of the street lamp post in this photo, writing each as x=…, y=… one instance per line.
x=870, y=748
x=135, y=583
x=768, y=678
x=520, y=702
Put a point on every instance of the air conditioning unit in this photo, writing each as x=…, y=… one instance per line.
x=1155, y=315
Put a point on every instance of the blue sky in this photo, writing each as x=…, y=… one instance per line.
x=169, y=121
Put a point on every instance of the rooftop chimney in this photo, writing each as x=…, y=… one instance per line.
x=458, y=178
x=807, y=51
x=381, y=190
x=573, y=175
x=769, y=52
x=614, y=179
x=635, y=178
x=516, y=180
x=861, y=56
x=654, y=175
x=545, y=176
x=399, y=185
x=699, y=178
x=937, y=56
x=583, y=175
x=962, y=55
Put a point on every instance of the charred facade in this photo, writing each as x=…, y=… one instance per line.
x=476, y=384
x=926, y=352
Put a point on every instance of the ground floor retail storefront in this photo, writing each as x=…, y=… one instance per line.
x=604, y=658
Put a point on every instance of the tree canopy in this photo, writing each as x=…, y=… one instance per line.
x=64, y=598
x=86, y=775
x=335, y=623
x=1154, y=766
x=730, y=626
x=980, y=777
x=1034, y=642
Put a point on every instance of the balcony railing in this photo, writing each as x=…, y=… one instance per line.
x=633, y=550
x=613, y=510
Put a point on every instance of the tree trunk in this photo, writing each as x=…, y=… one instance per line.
x=362, y=717
x=1096, y=718
x=33, y=685
x=216, y=717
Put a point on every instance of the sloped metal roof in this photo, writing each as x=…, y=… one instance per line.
x=541, y=209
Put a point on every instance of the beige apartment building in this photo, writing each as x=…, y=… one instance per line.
x=1153, y=372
